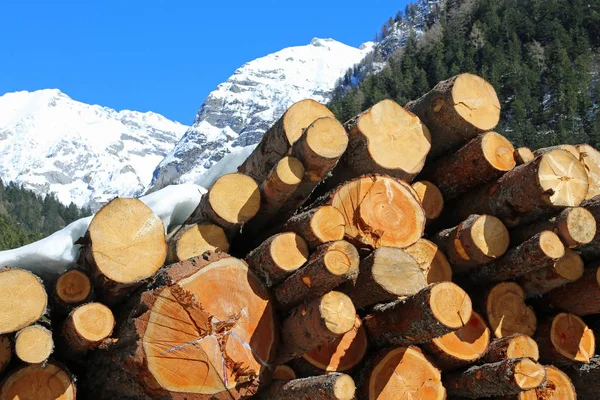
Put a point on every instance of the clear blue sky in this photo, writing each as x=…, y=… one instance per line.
x=163, y=56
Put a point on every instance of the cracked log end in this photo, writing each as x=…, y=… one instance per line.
x=73, y=287
x=572, y=338
x=34, y=344
x=431, y=260
x=38, y=382
x=529, y=374
x=563, y=178
x=450, y=305
x=430, y=197
x=23, y=299
x=211, y=332
x=380, y=211
x=475, y=100
x=498, y=151
x=558, y=387
x=404, y=373
x=507, y=312
x=590, y=158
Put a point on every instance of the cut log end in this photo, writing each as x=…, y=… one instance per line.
x=197, y=239
x=290, y=171
x=405, y=373
x=570, y=266
x=523, y=155
x=466, y=344
x=576, y=226
x=328, y=224
x=522, y=346
x=284, y=373
x=380, y=211
x=334, y=308
x=507, y=312
x=300, y=115
x=590, y=157
x=475, y=100
x=128, y=241
x=498, y=151
x=289, y=251
x=572, y=338
x=341, y=258
x=343, y=353
x=551, y=245
x=235, y=198
x=563, y=178
x=94, y=321
x=23, y=299
x=344, y=388
x=490, y=236
x=450, y=305
x=327, y=138
x=529, y=374
x=558, y=387
x=431, y=260
x=34, y=344
x=430, y=197
x=38, y=382
x=73, y=287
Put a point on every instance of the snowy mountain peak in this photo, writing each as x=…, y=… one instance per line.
x=83, y=153
x=241, y=109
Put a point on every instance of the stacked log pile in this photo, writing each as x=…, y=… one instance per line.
x=409, y=253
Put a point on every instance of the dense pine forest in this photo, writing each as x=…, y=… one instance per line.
x=540, y=55
x=26, y=217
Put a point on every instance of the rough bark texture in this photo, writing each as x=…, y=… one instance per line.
x=179, y=307
x=567, y=147
x=461, y=348
x=581, y=297
x=476, y=241
x=278, y=257
x=318, y=322
x=329, y=266
x=334, y=386
x=317, y=226
x=385, y=275
x=456, y=116
x=574, y=225
x=5, y=353
x=586, y=379
x=523, y=155
x=417, y=319
x=514, y=346
x=481, y=160
x=565, y=340
x=541, y=251
x=564, y=271
x=497, y=379
x=277, y=141
x=528, y=192
x=591, y=251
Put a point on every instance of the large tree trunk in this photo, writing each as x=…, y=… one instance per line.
x=586, y=379
x=431, y=260
x=565, y=340
x=528, y=192
x=431, y=199
x=462, y=347
x=457, y=110
x=317, y=226
x=34, y=344
x=189, y=241
x=476, y=241
x=314, y=324
x=204, y=330
x=330, y=265
x=37, y=381
x=277, y=141
x=72, y=288
x=506, y=311
x=514, y=346
x=278, y=257
x=483, y=159
x=23, y=299
x=124, y=245
x=334, y=386
x=379, y=211
x=567, y=269
x=233, y=200
x=385, y=275
x=87, y=327
x=398, y=373
x=590, y=157
x=502, y=378
x=581, y=297
x=575, y=226
x=433, y=312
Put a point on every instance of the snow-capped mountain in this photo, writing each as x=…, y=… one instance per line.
x=83, y=153
x=243, y=107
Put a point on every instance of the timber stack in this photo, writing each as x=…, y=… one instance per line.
x=409, y=253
